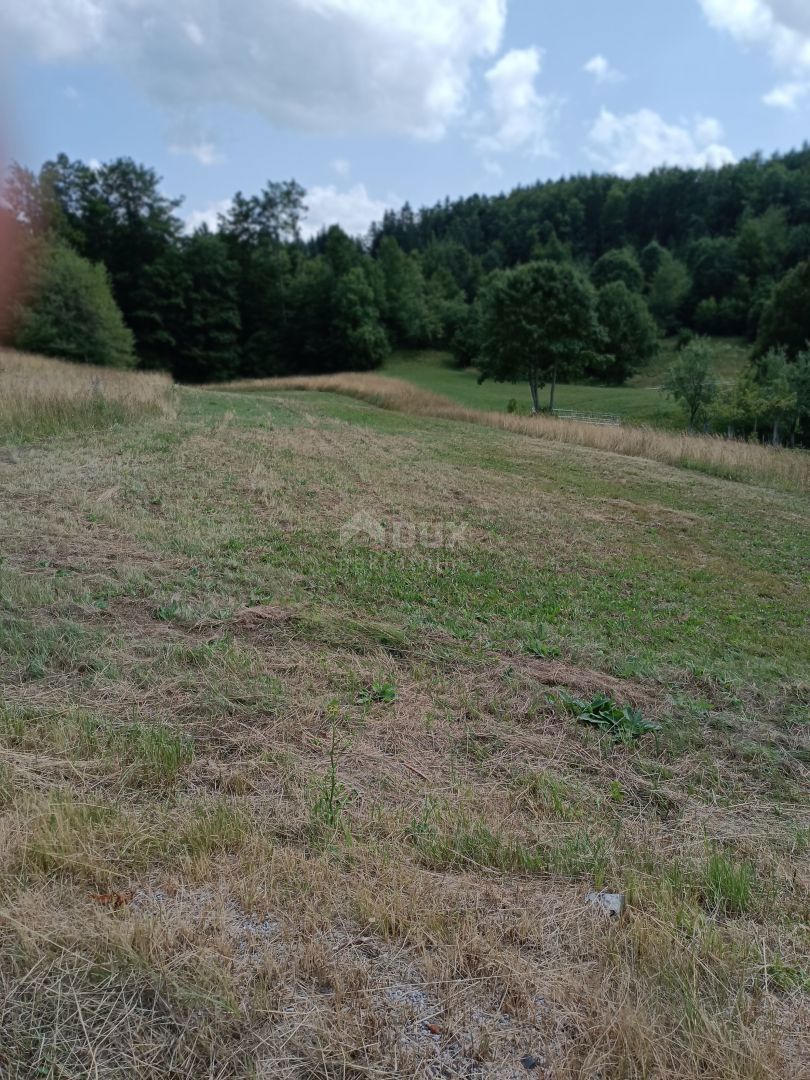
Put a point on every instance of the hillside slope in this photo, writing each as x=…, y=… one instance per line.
x=295, y=785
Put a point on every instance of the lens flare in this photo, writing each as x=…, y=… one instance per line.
x=13, y=241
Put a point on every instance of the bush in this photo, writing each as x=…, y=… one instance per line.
x=71, y=312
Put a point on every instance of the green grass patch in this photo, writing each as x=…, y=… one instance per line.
x=640, y=401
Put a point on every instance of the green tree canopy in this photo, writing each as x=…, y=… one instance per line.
x=620, y=264
x=785, y=389
x=208, y=347
x=359, y=340
x=407, y=313
x=714, y=267
x=631, y=333
x=690, y=380
x=274, y=215
x=538, y=323
x=115, y=214
x=786, y=319
x=650, y=259
x=71, y=313
x=669, y=289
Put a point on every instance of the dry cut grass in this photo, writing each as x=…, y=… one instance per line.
x=40, y=396
x=272, y=806
x=732, y=459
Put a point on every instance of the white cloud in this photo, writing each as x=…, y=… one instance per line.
x=368, y=65
x=780, y=26
x=208, y=217
x=205, y=152
x=638, y=142
x=708, y=130
x=194, y=33
x=602, y=70
x=187, y=136
x=354, y=209
x=787, y=95
x=341, y=167
x=519, y=117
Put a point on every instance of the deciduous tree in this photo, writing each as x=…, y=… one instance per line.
x=71, y=312
x=690, y=380
x=539, y=323
x=631, y=333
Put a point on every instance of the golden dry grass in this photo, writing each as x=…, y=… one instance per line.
x=787, y=469
x=40, y=396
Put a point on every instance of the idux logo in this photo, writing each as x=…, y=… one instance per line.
x=362, y=525
x=400, y=533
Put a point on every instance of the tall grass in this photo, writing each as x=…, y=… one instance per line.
x=39, y=396
x=732, y=459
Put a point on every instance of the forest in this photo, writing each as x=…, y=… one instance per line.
x=113, y=277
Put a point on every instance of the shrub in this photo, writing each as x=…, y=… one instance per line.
x=71, y=312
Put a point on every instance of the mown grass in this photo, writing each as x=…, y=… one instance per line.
x=279, y=801
x=727, y=458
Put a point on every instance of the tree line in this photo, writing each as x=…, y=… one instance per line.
x=115, y=278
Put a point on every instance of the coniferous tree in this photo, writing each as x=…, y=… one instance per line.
x=209, y=346
x=115, y=214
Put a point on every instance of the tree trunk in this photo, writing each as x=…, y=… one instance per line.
x=533, y=388
x=553, y=388
x=776, y=440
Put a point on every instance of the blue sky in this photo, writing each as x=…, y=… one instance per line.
x=368, y=103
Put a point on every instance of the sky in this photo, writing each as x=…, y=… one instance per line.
x=369, y=103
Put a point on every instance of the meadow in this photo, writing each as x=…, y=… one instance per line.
x=718, y=456
x=40, y=397
x=640, y=401
x=320, y=720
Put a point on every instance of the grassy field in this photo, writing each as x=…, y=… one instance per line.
x=292, y=792
x=41, y=398
x=641, y=401
x=726, y=458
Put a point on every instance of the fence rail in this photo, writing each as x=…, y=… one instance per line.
x=602, y=419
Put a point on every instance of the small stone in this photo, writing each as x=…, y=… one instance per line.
x=612, y=903
x=530, y=1062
